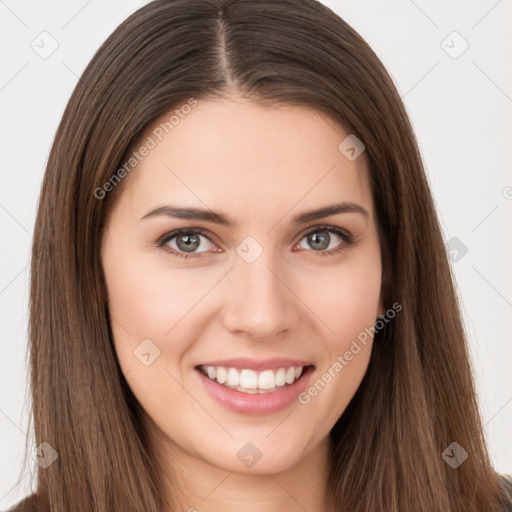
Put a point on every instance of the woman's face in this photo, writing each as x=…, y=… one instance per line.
x=255, y=285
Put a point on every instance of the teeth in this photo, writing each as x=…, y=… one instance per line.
x=233, y=377
x=222, y=375
x=290, y=376
x=249, y=381
x=266, y=380
x=280, y=378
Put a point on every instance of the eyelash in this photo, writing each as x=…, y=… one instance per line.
x=348, y=240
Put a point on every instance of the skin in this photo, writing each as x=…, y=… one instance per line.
x=260, y=167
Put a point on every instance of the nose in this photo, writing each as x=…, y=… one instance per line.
x=261, y=303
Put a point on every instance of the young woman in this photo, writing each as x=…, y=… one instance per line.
x=240, y=296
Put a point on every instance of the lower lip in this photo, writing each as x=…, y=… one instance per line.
x=256, y=403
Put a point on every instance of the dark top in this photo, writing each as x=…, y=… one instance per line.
x=28, y=504
x=506, y=482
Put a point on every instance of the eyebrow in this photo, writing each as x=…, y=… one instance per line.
x=221, y=219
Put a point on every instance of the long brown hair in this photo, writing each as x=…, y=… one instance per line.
x=417, y=396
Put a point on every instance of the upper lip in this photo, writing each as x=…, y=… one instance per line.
x=257, y=365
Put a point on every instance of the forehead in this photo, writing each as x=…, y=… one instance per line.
x=253, y=161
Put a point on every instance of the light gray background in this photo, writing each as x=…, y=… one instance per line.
x=460, y=109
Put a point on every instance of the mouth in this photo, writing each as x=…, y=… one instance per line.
x=254, y=392
x=253, y=382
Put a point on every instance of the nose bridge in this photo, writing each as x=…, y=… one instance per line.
x=260, y=303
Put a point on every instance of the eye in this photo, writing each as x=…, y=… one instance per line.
x=326, y=240
x=185, y=242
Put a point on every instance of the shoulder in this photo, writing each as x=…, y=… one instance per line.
x=28, y=504
x=506, y=484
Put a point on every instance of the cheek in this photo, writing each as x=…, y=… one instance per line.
x=148, y=300
x=347, y=301
x=154, y=311
x=351, y=303
x=345, y=298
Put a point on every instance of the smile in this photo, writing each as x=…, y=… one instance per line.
x=251, y=381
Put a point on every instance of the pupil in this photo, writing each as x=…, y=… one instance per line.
x=190, y=242
x=319, y=242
